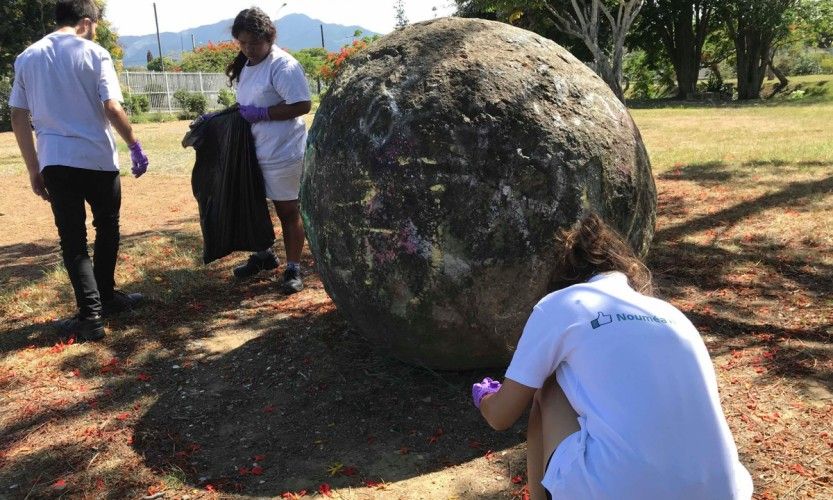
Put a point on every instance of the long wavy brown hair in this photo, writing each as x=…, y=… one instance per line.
x=257, y=23
x=592, y=246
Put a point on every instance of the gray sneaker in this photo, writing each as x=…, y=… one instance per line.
x=292, y=281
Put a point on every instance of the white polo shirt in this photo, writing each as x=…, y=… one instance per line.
x=640, y=378
x=62, y=80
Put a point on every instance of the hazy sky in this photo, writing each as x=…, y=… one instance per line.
x=135, y=17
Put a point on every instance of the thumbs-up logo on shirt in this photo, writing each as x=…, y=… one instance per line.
x=601, y=319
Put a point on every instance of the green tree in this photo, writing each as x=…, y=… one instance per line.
x=814, y=23
x=755, y=27
x=600, y=25
x=22, y=22
x=311, y=59
x=163, y=64
x=680, y=28
x=107, y=37
x=399, y=13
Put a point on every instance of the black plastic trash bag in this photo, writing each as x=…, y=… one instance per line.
x=228, y=186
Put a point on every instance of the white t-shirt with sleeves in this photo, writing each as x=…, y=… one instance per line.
x=640, y=378
x=62, y=80
x=278, y=78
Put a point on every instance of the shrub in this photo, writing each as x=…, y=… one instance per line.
x=193, y=103
x=226, y=97
x=798, y=59
x=5, y=110
x=136, y=104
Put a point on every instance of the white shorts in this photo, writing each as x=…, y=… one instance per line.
x=283, y=181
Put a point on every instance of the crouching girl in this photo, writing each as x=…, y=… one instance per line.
x=623, y=392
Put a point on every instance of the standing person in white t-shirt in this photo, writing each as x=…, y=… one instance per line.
x=273, y=95
x=623, y=392
x=67, y=86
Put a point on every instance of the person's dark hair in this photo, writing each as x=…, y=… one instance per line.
x=71, y=12
x=255, y=22
x=590, y=247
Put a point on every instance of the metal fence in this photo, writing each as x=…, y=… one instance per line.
x=159, y=87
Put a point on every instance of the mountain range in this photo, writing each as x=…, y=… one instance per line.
x=295, y=32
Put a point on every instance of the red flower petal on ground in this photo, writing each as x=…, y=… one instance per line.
x=123, y=416
x=144, y=377
x=244, y=471
x=259, y=458
x=490, y=455
x=517, y=479
x=210, y=487
x=60, y=483
x=268, y=409
x=325, y=489
x=257, y=470
x=349, y=471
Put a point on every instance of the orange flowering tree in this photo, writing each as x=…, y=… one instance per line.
x=210, y=58
x=335, y=60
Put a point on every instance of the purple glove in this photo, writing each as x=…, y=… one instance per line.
x=254, y=114
x=483, y=389
x=139, y=159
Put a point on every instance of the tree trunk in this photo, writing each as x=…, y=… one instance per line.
x=783, y=81
x=613, y=80
x=686, y=58
x=752, y=55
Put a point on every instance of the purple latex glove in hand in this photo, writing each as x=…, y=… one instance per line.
x=139, y=159
x=254, y=114
x=483, y=389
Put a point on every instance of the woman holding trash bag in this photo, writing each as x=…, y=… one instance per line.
x=623, y=394
x=273, y=95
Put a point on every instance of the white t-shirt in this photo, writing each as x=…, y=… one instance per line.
x=278, y=78
x=62, y=80
x=640, y=378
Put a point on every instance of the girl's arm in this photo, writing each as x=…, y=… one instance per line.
x=503, y=408
x=284, y=111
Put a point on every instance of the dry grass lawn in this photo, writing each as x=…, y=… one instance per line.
x=218, y=388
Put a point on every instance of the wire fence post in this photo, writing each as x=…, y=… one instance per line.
x=168, y=93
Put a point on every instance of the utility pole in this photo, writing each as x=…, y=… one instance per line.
x=318, y=78
x=193, y=43
x=158, y=40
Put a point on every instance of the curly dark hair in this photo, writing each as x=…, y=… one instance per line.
x=592, y=246
x=255, y=22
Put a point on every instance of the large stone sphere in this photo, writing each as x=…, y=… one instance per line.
x=439, y=168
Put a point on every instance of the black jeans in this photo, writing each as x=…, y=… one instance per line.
x=68, y=189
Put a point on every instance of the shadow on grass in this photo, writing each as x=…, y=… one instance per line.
x=680, y=264
x=788, y=196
